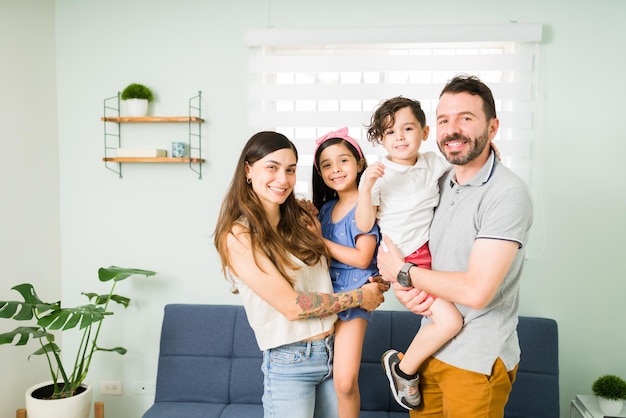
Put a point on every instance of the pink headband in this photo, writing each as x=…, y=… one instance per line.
x=341, y=133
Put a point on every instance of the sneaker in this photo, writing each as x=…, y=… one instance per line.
x=405, y=391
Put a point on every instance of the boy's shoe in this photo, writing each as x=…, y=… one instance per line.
x=405, y=391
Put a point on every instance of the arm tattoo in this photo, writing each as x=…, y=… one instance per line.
x=320, y=305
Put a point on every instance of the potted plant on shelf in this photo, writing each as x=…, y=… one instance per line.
x=611, y=392
x=137, y=97
x=67, y=386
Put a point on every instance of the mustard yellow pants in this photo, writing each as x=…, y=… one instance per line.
x=450, y=392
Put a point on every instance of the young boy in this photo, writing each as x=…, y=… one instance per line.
x=401, y=193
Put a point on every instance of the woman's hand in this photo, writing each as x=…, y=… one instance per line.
x=372, y=296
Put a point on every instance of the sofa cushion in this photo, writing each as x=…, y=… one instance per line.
x=536, y=391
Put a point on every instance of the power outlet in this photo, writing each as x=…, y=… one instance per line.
x=144, y=387
x=111, y=387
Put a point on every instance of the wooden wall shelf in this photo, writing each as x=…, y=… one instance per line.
x=113, y=138
x=152, y=119
x=152, y=160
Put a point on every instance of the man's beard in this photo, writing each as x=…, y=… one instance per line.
x=476, y=147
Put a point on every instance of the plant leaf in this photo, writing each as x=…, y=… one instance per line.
x=8, y=309
x=103, y=299
x=67, y=318
x=119, y=350
x=48, y=348
x=28, y=293
x=120, y=273
x=24, y=333
x=24, y=311
x=124, y=301
x=90, y=295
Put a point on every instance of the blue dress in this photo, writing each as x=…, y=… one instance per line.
x=344, y=276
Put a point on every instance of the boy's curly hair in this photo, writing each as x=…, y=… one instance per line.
x=385, y=116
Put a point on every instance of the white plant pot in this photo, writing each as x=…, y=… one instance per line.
x=137, y=107
x=78, y=406
x=610, y=406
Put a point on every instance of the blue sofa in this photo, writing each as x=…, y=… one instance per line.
x=209, y=365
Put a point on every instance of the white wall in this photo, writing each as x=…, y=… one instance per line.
x=29, y=185
x=161, y=217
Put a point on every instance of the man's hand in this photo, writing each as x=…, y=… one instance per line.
x=415, y=300
x=389, y=260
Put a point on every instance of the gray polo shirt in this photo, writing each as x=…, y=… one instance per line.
x=495, y=204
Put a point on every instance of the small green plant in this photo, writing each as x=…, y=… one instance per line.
x=53, y=317
x=610, y=386
x=137, y=91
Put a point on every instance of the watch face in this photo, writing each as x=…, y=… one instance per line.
x=404, y=278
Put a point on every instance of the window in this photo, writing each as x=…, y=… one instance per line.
x=305, y=83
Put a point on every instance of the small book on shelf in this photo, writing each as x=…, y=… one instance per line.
x=130, y=152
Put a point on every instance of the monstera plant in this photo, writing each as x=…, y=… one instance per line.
x=46, y=317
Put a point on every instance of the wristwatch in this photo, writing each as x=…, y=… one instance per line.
x=404, y=278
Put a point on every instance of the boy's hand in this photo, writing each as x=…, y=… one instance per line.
x=370, y=175
x=496, y=150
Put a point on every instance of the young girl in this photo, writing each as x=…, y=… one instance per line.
x=338, y=166
x=271, y=251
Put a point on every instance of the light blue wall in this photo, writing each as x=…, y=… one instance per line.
x=161, y=217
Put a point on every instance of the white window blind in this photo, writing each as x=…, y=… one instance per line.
x=305, y=82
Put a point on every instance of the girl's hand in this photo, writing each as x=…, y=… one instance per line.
x=308, y=206
x=382, y=284
x=315, y=227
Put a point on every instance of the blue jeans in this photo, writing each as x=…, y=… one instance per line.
x=298, y=380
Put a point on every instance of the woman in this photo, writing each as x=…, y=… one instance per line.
x=271, y=249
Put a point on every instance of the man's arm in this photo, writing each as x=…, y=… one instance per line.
x=489, y=262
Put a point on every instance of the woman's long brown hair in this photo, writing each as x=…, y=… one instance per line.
x=242, y=203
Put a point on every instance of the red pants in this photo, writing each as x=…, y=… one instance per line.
x=420, y=257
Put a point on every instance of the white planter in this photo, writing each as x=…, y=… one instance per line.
x=137, y=107
x=610, y=406
x=78, y=406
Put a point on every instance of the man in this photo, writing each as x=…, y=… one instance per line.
x=477, y=241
